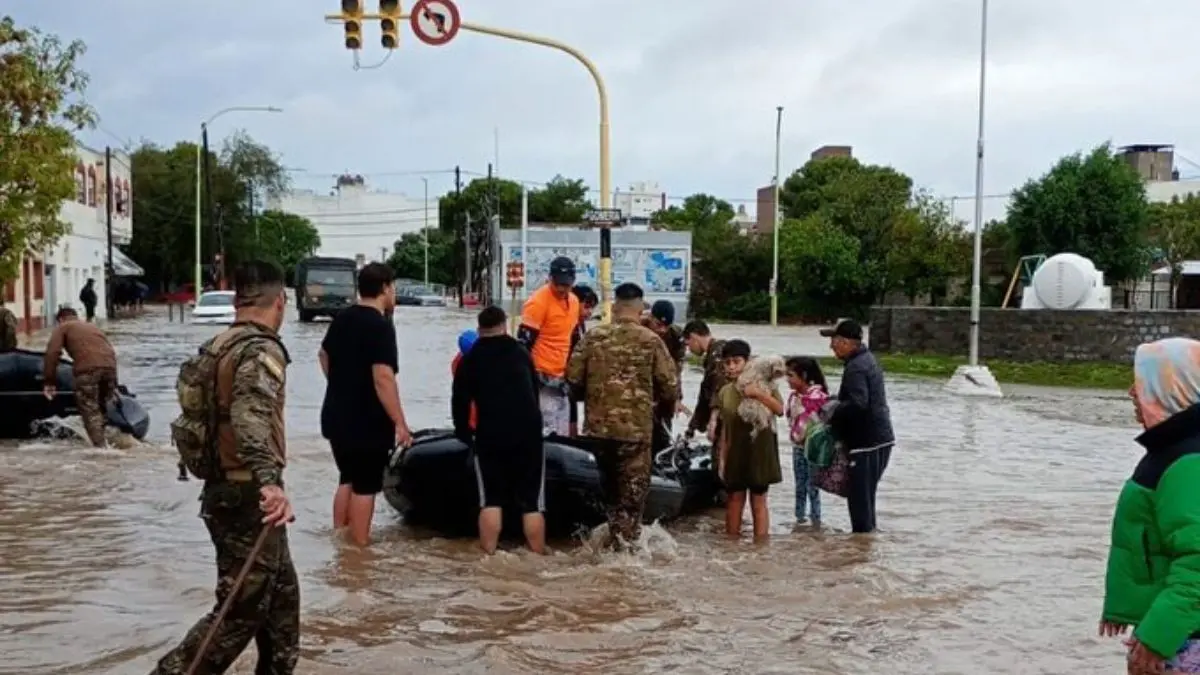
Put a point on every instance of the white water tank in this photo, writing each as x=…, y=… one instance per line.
x=1067, y=281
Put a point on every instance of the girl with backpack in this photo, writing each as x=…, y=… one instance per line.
x=809, y=393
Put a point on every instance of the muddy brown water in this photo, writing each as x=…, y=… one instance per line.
x=994, y=520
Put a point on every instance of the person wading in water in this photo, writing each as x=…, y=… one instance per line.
x=95, y=366
x=622, y=372
x=239, y=450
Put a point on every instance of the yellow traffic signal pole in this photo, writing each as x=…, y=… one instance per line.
x=605, y=270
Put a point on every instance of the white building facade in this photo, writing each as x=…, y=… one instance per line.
x=639, y=203
x=357, y=223
x=54, y=278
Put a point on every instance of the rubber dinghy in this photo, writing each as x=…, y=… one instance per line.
x=433, y=483
x=22, y=403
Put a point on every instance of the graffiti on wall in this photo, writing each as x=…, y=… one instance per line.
x=656, y=270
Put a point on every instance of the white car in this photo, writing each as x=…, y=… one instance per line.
x=214, y=307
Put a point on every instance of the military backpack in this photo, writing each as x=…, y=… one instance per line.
x=194, y=432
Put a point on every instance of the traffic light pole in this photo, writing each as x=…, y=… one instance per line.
x=605, y=270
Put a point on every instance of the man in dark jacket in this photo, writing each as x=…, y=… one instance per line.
x=661, y=320
x=87, y=296
x=861, y=421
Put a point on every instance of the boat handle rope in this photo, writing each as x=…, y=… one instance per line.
x=225, y=606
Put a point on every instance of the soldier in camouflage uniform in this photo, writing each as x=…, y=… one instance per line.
x=661, y=321
x=623, y=372
x=251, y=378
x=8, y=328
x=700, y=342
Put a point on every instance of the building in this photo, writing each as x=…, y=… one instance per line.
x=744, y=222
x=54, y=278
x=358, y=223
x=639, y=204
x=765, y=197
x=827, y=151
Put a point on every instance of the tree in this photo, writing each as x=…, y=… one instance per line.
x=926, y=250
x=1174, y=229
x=819, y=265
x=274, y=235
x=864, y=201
x=560, y=201
x=41, y=88
x=408, y=257
x=1093, y=205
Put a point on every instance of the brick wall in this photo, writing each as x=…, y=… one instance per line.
x=1027, y=335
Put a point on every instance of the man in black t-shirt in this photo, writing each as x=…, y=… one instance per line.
x=362, y=416
x=498, y=376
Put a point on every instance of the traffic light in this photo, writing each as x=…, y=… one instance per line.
x=352, y=18
x=389, y=21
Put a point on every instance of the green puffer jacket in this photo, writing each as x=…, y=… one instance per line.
x=1153, y=577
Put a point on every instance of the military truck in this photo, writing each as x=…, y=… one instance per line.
x=325, y=286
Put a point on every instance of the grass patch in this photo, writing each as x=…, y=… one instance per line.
x=1084, y=374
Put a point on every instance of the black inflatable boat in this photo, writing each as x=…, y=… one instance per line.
x=22, y=403
x=433, y=483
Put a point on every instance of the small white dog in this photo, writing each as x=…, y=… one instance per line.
x=761, y=371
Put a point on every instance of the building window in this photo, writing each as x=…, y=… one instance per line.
x=122, y=197
x=10, y=291
x=39, y=280
x=80, y=184
x=91, y=186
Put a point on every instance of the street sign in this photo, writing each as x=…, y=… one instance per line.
x=603, y=217
x=435, y=22
x=516, y=274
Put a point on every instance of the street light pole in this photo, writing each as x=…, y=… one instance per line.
x=974, y=379
x=977, y=265
x=201, y=158
x=775, y=222
x=425, y=230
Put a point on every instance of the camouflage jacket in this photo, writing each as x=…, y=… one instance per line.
x=8, y=330
x=622, y=372
x=710, y=386
x=251, y=384
x=677, y=348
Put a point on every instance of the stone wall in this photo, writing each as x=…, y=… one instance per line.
x=1026, y=334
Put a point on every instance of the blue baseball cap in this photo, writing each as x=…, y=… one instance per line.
x=466, y=340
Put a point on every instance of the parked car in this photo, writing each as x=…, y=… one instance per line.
x=419, y=296
x=214, y=307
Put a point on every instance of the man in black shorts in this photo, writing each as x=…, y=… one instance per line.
x=362, y=416
x=497, y=375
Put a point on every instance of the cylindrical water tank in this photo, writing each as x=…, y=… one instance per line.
x=1064, y=281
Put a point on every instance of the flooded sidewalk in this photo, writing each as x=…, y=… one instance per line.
x=994, y=520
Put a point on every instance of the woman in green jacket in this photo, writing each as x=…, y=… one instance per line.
x=1153, y=578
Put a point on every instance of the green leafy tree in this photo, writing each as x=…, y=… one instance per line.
x=1093, y=205
x=864, y=201
x=1174, y=229
x=819, y=265
x=408, y=257
x=926, y=250
x=41, y=87
x=274, y=235
x=561, y=200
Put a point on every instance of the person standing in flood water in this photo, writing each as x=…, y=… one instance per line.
x=622, y=371
x=94, y=364
x=862, y=420
x=548, y=323
x=8, y=328
x=362, y=416
x=248, y=495
x=661, y=320
x=1153, y=577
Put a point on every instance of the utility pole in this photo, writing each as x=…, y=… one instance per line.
x=208, y=200
x=462, y=284
x=250, y=212
x=109, y=271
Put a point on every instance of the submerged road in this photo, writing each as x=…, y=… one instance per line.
x=994, y=519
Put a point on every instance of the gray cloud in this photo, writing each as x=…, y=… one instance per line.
x=693, y=85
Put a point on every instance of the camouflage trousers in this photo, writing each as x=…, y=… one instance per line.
x=267, y=608
x=93, y=391
x=625, y=479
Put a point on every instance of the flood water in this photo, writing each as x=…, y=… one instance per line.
x=994, y=521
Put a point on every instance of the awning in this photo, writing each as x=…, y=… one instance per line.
x=123, y=265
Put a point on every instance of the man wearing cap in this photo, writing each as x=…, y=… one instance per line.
x=862, y=420
x=548, y=322
x=661, y=320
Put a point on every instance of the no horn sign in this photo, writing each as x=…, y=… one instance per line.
x=435, y=22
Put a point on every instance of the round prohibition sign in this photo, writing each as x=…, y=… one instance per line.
x=435, y=22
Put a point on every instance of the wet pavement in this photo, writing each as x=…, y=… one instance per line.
x=994, y=520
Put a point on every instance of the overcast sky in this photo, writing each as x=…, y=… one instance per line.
x=693, y=86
